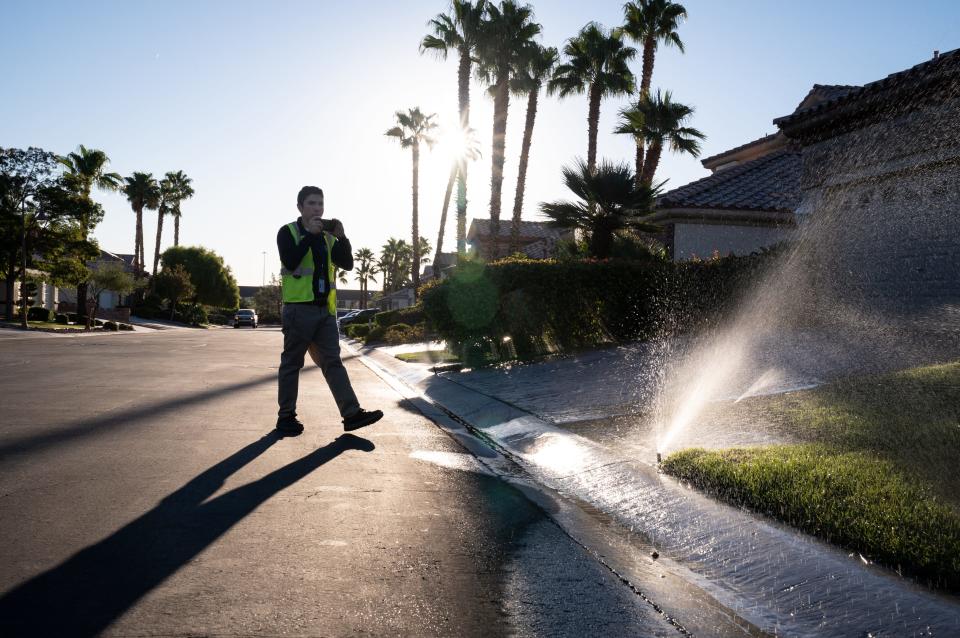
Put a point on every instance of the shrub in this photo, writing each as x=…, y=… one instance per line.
x=110, y=325
x=194, y=314
x=376, y=334
x=402, y=333
x=125, y=326
x=412, y=315
x=221, y=316
x=358, y=330
x=386, y=318
x=522, y=308
x=37, y=313
x=62, y=319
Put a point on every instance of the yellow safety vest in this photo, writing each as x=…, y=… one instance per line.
x=297, y=286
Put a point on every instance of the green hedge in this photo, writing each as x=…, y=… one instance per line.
x=523, y=308
x=39, y=313
x=357, y=330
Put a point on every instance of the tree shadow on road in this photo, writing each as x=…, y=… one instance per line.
x=90, y=590
x=98, y=425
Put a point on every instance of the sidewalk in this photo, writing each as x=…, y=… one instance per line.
x=776, y=579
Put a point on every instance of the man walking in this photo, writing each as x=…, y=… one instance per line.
x=310, y=251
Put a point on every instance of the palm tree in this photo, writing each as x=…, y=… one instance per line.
x=508, y=34
x=414, y=129
x=390, y=258
x=142, y=191
x=86, y=168
x=365, y=271
x=596, y=63
x=469, y=152
x=528, y=80
x=183, y=187
x=648, y=23
x=655, y=121
x=609, y=200
x=168, y=195
x=459, y=31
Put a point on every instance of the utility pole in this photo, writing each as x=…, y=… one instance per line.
x=263, y=281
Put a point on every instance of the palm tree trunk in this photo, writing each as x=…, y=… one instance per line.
x=646, y=75
x=600, y=242
x=176, y=230
x=138, y=258
x=443, y=217
x=156, y=250
x=637, y=175
x=650, y=166
x=463, y=97
x=501, y=103
x=462, y=210
x=416, y=221
x=463, y=87
x=522, y=174
x=593, y=122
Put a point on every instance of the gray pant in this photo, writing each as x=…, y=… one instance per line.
x=309, y=326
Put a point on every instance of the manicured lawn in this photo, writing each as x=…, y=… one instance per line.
x=427, y=356
x=46, y=325
x=876, y=470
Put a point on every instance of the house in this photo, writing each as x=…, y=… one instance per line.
x=65, y=299
x=537, y=239
x=746, y=203
x=879, y=197
x=402, y=298
x=351, y=299
x=443, y=263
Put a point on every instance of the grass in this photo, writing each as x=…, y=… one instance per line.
x=46, y=325
x=875, y=470
x=427, y=356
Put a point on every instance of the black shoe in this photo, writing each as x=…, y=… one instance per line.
x=289, y=425
x=361, y=419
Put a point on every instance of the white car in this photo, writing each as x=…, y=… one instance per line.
x=245, y=317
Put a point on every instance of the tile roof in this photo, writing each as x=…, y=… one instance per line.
x=824, y=93
x=944, y=61
x=768, y=183
x=736, y=149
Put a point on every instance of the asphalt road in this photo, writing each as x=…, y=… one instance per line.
x=142, y=492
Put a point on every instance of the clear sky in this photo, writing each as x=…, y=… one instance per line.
x=255, y=99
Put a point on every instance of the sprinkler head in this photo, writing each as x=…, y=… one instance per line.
x=659, y=459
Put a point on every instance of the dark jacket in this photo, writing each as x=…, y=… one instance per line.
x=292, y=253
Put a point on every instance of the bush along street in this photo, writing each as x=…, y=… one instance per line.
x=521, y=308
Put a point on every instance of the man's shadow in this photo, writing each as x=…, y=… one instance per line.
x=85, y=594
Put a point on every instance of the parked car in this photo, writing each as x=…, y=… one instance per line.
x=245, y=317
x=361, y=316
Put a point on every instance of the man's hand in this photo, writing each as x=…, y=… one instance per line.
x=313, y=225
x=337, y=229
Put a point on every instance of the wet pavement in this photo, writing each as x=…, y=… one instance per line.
x=742, y=565
x=142, y=492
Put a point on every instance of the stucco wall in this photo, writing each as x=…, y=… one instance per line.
x=701, y=240
x=881, y=210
